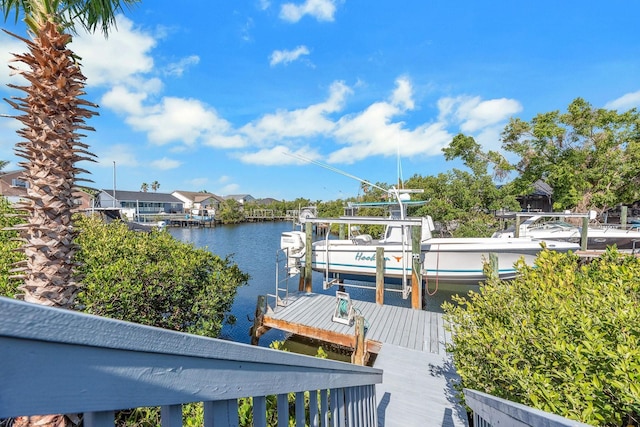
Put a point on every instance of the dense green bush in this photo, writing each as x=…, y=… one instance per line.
x=9, y=253
x=563, y=337
x=153, y=279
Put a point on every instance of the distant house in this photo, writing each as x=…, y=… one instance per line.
x=195, y=200
x=267, y=201
x=13, y=186
x=540, y=200
x=140, y=202
x=240, y=198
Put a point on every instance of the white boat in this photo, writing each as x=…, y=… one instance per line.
x=598, y=237
x=458, y=261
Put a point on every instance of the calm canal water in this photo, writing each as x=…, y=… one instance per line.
x=253, y=247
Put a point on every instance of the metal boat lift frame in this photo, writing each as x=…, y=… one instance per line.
x=409, y=245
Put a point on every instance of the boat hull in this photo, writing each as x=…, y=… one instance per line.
x=597, y=238
x=451, y=261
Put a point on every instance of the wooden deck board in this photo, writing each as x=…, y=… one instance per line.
x=406, y=339
x=417, y=389
x=418, y=377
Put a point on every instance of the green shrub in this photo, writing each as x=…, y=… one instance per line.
x=563, y=337
x=153, y=279
x=9, y=254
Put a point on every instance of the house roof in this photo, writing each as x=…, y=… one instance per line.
x=541, y=188
x=239, y=196
x=6, y=187
x=142, y=196
x=198, y=197
x=267, y=201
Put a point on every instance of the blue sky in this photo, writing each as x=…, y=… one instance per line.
x=226, y=96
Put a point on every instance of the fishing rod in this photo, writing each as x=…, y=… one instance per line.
x=334, y=169
x=394, y=192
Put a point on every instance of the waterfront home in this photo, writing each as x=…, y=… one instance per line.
x=133, y=203
x=13, y=186
x=198, y=200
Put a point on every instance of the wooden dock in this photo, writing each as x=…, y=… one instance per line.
x=418, y=379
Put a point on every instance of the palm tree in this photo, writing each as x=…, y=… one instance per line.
x=155, y=185
x=53, y=116
x=3, y=163
x=144, y=187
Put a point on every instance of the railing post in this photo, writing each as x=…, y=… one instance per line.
x=259, y=411
x=99, y=419
x=221, y=413
x=283, y=410
x=171, y=416
x=300, y=413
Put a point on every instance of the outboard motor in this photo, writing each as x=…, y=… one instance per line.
x=293, y=243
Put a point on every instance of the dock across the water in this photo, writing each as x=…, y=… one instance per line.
x=419, y=377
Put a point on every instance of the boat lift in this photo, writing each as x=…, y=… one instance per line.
x=411, y=236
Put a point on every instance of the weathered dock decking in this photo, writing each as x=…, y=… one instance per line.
x=310, y=315
x=418, y=378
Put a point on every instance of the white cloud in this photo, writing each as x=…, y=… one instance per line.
x=122, y=154
x=166, y=163
x=322, y=10
x=287, y=56
x=117, y=59
x=264, y=4
x=245, y=31
x=9, y=46
x=304, y=122
x=180, y=120
x=373, y=132
x=217, y=140
x=625, y=102
x=178, y=68
x=228, y=189
x=122, y=100
x=473, y=114
x=403, y=94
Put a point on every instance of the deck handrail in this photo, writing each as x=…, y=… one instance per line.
x=60, y=361
x=489, y=410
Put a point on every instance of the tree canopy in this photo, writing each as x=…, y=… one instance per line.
x=589, y=156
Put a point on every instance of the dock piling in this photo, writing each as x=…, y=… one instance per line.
x=416, y=280
x=308, y=259
x=358, y=357
x=258, y=327
x=380, y=275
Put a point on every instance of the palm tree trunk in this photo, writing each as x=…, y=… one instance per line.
x=53, y=115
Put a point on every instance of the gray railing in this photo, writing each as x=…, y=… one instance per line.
x=55, y=361
x=492, y=411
